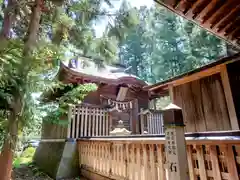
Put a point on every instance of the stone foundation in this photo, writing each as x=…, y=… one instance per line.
x=58, y=159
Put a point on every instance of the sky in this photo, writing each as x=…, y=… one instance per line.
x=134, y=3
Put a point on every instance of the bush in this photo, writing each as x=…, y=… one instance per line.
x=25, y=157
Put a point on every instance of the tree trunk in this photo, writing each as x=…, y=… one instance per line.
x=7, y=24
x=6, y=157
x=33, y=29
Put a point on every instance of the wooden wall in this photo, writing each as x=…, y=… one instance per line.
x=53, y=130
x=204, y=105
x=111, y=92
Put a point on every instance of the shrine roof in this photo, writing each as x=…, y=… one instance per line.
x=84, y=70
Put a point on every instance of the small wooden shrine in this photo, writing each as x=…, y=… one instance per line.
x=116, y=88
x=113, y=81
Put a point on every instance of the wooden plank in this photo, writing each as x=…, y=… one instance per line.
x=201, y=161
x=100, y=122
x=160, y=157
x=107, y=122
x=82, y=121
x=153, y=162
x=90, y=121
x=145, y=161
x=229, y=98
x=85, y=121
x=97, y=122
x=73, y=123
x=138, y=162
x=142, y=122
x=190, y=163
x=224, y=20
x=231, y=163
x=191, y=12
x=198, y=75
x=171, y=92
x=69, y=121
x=215, y=162
x=78, y=120
x=93, y=123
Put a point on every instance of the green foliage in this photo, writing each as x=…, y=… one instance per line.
x=25, y=158
x=59, y=109
x=164, y=45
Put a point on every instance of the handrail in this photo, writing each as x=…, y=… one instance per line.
x=207, y=137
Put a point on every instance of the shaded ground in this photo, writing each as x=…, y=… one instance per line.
x=30, y=172
x=24, y=172
x=24, y=169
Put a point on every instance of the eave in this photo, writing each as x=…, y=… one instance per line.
x=220, y=17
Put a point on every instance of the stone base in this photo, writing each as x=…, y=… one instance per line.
x=58, y=159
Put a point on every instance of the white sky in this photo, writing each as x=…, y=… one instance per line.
x=134, y=3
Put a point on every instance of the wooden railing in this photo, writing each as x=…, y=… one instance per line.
x=210, y=157
x=88, y=120
x=151, y=122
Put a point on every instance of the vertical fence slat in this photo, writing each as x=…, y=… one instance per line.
x=104, y=123
x=201, y=162
x=82, y=121
x=73, y=122
x=107, y=123
x=78, y=120
x=90, y=121
x=232, y=168
x=97, y=126
x=190, y=163
x=215, y=162
x=85, y=121
x=145, y=161
x=138, y=162
x=69, y=121
x=93, y=123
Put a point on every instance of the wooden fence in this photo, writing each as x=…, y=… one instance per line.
x=143, y=158
x=88, y=121
x=151, y=122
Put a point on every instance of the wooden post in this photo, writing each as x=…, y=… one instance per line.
x=175, y=144
x=141, y=121
x=134, y=119
x=229, y=98
x=70, y=121
x=171, y=92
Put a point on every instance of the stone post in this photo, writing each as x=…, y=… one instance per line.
x=175, y=144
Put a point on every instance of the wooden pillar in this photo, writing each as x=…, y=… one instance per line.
x=175, y=144
x=229, y=98
x=134, y=119
x=171, y=92
x=141, y=121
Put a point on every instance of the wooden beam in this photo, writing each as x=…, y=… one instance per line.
x=202, y=15
x=198, y=75
x=197, y=4
x=223, y=11
x=226, y=19
x=229, y=98
x=122, y=94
